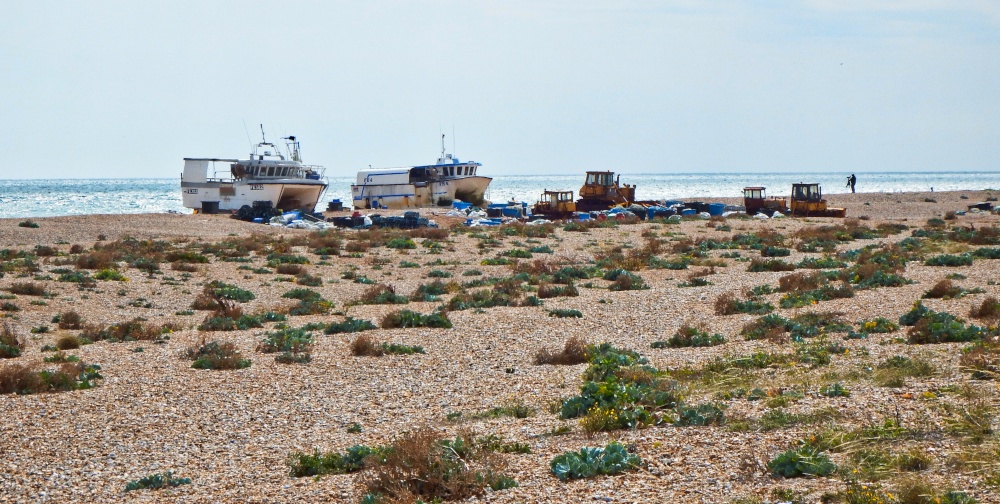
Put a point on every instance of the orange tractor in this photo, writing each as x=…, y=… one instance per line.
x=755, y=202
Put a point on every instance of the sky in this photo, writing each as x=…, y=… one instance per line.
x=111, y=89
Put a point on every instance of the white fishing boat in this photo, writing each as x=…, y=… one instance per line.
x=438, y=184
x=209, y=185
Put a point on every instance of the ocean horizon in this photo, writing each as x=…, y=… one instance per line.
x=59, y=197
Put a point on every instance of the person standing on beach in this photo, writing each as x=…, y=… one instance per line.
x=851, y=181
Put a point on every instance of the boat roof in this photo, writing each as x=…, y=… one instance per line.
x=211, y=159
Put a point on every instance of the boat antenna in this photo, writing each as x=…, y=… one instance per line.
x=453, y=151
x=442, y=144
x=262, y=137
x=249, y=141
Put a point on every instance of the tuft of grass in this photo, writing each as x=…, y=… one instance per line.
x=293, y=343
x=944, y=289
x=156, y=482
x=68, y=342
x=380, y=294
x=759, y=265
x=10, y=344
x=622, y=280
x=728, y=304
x=29, y=379
x=366, y=346
x=408, y=318
x=356, y=457
x=565, y=313
x=688, y=336
x=421, y=465
x=349, y=325
x=27, y=289
x=216, y=355
x=573, y=352
x=988, y=309
x=70, y=320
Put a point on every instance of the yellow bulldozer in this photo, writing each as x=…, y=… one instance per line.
x=807, y=201
x=602, y=191
x=555, y=205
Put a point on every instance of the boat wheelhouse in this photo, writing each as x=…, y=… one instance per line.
x=209, y=185
x=438, y=184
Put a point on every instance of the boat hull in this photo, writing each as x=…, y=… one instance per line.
x=427, y=194
x=292, y=194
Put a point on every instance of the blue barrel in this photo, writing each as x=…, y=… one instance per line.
x=670, y=203
x=460, y=205
x=716, y=208
x=688, y=211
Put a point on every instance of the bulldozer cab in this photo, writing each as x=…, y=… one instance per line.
x=554, y=198
x=806, y=192
x=754, y=193
x=600, y=179
x=558, y=204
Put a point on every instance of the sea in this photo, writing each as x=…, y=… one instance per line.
x=57, y=197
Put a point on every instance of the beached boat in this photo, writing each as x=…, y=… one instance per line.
x=438, y=184
x=209, y=185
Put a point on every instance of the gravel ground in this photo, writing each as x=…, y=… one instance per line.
x=232, y=431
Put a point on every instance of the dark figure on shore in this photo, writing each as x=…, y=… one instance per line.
x=851, y=181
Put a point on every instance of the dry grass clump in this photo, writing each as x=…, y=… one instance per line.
x=33, y=379
x=636, y=258
x=185, y=267
x=381, y=294
x=20, y=378
x=436, y=234
x=216, y=355
x=97, y=259
x=27, y=289
x=290, y=269
x=68, y=342
x=366, y=346
x=573, y=352
x=131, y=330
x=325, y=242
x=205, y=301
x=10, y=345
x=536, y=267
x=547, y=291
x=422, y=466
x=70, y=320
x=989, y=309
x=944, y=289
x=983, y=360
x=801, y=282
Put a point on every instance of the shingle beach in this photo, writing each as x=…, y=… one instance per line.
x=232, y=432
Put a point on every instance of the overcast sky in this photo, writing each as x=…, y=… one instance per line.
x=94, y=89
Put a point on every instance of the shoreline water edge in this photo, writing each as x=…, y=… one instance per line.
x=56, y=197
